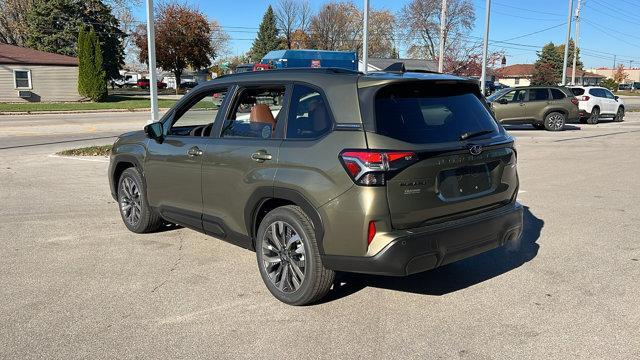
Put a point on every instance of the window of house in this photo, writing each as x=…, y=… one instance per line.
x=196, y=117
x=22, y=79
x=516, y=81
x=255, y=113
x=308, y=116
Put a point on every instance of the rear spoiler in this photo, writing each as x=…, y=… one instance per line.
x=399, y=68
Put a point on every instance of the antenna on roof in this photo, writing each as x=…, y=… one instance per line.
x=396, y=68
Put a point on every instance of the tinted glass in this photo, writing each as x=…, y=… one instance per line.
x=430, y=114
x=308, y=115
x=538, y=94
x=557, y=94
x=514, y=96
x=577, y=91
x=255, y=113
x=608, y=94
x=197, y=117
x=597, y=92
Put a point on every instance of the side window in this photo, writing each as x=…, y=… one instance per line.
x=308, y=115
x=538, y=94
x=597, y=93
x=609, y=94
x=557, y=94
x=197, y=117
x=577, y=91
x=514, y=96
x=255, y=113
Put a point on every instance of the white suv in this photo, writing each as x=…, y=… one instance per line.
x=598, y=102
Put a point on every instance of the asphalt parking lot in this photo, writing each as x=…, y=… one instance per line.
x=76, y=284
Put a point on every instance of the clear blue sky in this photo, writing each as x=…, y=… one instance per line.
x=607, y=29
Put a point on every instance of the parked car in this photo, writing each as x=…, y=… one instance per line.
x=188, y=84
x=499, y=86
x=327, y=170
x=144, y=84
x=624, y=87
x=543, y=107
x=598, y=102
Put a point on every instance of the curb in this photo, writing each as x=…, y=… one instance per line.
x=53, y=112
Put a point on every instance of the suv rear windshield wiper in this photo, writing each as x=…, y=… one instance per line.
x=472, y=134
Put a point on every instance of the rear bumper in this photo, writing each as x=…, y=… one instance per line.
x=426, y=248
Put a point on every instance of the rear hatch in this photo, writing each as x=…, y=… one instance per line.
x=463, y=161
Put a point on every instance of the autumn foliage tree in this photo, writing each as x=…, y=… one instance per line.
x=183, y=38
x=620, y=75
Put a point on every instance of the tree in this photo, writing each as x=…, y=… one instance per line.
x=183, y=38
x=619, y=76
x=267, y=38
x=421, y=26
x=300, y=40
x=92, y=80
x=13, y=21
x=337, y=26
x=610, y=84
x=572, y=47
x=54, y=25
x=382, y=27
x=287, y=19
x=548, y=67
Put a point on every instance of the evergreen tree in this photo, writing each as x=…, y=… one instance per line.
x=267, y=38
x=548, y=67
x=572, y=47
x=54, y=26
x=92, y=82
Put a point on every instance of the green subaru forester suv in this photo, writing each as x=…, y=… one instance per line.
x=325, y=170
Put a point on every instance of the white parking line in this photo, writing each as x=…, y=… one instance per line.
x=78, y=158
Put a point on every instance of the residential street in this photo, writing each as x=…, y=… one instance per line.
x=76, y=284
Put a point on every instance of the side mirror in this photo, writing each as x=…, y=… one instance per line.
x=616, y=97
x=503, y=101
x=154, y=131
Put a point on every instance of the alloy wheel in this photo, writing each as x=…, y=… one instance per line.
x=130, y=204
x=555, y=121
x=283, y=257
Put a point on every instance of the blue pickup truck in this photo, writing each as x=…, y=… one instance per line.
x=281, y=59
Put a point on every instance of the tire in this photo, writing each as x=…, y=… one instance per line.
x=595, y=116
x=303, y=278
x=135, y=211
x=554, y=121
x=619, y=115
x=539, y=126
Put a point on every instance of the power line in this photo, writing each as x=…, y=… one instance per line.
x=535, y=32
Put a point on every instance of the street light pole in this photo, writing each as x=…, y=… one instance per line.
x=443, y=21
x=576, y=41
x=153, y=82
x=485, y=50
x=566, y=44
x=365, y=38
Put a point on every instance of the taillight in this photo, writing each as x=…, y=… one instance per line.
x=371, y=233
x=368, y=167
x=575, y=101
x=585, y=98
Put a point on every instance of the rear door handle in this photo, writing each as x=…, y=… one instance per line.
x=194, y=151
x=261, y=156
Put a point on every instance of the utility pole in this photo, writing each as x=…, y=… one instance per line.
x=153, y=82
x=365, y=38
x=566, y=44
x=443, y=20
x=614, y=61
x=575, y=44
x=485, y=49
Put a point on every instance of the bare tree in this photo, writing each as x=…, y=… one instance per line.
x=337, y=26
x=421, y=26
x=219, y=40
x=304, y=14
x=287, y=18
x=13, y=25
x=382, y=26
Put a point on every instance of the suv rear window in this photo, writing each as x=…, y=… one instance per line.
x=577, y=91
x=422, y=113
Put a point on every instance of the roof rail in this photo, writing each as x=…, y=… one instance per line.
x=399, y=68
